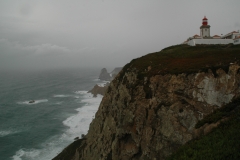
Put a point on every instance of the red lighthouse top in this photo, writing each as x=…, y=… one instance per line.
x=204, y=21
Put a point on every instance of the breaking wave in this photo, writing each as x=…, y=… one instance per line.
x=77, y=124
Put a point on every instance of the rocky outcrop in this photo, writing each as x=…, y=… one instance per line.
x=104, y=75
x=32, y=101
x=99, y=90
x=149, y=118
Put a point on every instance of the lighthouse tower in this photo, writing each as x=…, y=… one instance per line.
x=205, y=28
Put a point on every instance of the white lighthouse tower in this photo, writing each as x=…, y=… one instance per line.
x=205, y=28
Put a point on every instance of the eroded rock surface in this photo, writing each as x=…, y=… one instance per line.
x=150, y=118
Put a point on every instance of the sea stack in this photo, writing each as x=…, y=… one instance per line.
x=104, y=75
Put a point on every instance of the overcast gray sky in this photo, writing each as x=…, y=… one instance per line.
x=102, y=33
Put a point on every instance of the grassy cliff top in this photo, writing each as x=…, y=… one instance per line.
x=186, y=59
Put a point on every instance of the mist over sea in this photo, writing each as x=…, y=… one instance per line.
x=62, y=111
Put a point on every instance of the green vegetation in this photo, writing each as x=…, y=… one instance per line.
x=222, y=143
x=185, y=59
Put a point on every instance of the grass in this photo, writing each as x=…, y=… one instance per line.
x=185, y=59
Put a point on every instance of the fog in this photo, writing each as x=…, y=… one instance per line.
x=43, y=34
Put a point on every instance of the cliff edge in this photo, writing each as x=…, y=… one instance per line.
x=152, y=106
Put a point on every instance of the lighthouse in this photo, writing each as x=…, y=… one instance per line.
x=205, y=38
x=205, y=28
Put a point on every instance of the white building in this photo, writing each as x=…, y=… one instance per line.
x=231, y=35
x=236, y=40
x=205, y=37
x=194, y=42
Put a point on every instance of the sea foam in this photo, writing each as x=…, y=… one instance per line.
x=61, y=96
x=35, y=101
x=103, y=83
x=29, y=154
x=96, y=79
x=7, y=132
x=77, y=124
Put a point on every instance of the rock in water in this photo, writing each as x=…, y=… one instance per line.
x=98, y=90
x=104, y=75
x=32, y=101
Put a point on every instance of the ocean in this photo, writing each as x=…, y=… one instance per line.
x=62, y=111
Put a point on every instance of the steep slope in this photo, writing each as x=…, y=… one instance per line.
x=222, y=143
x=151, y=108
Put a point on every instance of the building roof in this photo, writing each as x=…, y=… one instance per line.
x=196, y=36
x=205, y=18
x=216, y=36
x=237, y=37
x=232, y=32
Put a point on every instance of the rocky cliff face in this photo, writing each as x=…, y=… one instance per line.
x=149, y=120
x=152, y=106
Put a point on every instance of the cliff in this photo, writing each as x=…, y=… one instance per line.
x=152, y=106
